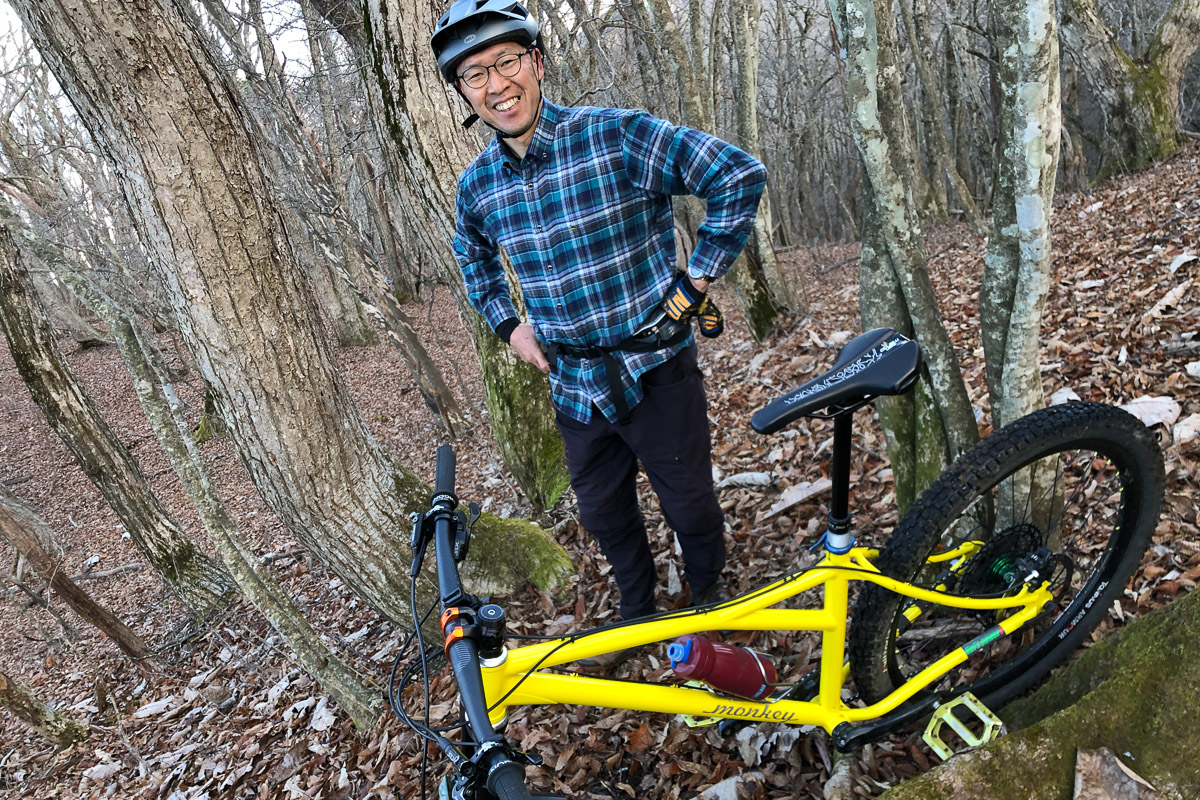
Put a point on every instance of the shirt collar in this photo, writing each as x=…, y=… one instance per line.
x=543, y=134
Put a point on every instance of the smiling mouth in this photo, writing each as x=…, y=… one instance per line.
x=507, y=104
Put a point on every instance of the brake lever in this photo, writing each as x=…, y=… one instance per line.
x=418, y=541
x=462, y=535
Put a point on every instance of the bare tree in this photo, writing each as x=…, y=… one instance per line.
x=916, y=20
x=1016, y=278
x=193, y=176
x=317, y=212
x=419, y=114
x=200, y=584
x=746, y=15
x=895, y=288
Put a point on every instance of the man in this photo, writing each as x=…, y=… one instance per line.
x=580, y=199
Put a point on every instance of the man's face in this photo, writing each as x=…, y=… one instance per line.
x=508, y=104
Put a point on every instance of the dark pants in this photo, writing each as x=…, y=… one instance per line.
x=668, y=433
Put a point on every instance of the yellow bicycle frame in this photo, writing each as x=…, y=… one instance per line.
x=515, y=677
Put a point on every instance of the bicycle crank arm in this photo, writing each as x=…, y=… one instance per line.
x=847, y=737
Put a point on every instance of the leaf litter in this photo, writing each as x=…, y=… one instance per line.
x=224, y=713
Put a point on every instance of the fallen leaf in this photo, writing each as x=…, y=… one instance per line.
x=1154, y=410
x=1187, y=429
x=157, y=707
x=798, y=493
x=1100, y=775
x=746, y=480
x=640, y=739
x=102, y=772
x=322, y=718
x=1180, y=260
x=1170, y=299
x=1063, y=395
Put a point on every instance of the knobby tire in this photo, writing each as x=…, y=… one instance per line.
x=1095, y=506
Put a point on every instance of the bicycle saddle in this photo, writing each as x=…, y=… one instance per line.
x=877, y=363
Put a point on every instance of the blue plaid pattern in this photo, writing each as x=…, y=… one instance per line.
x=585, y=218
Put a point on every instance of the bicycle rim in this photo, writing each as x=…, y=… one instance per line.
x=1072, y=491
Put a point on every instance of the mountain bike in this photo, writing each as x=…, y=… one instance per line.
x=1000, y=570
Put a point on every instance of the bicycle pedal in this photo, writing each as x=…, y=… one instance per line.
x=993, y=726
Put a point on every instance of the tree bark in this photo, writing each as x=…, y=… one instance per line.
x=916, y=438
x=759, y=249
x=916, y=20
x=56, y=727
x=1130, y=693
x=193, y=177
x=1137, y=96
x=346, y=688
x=199, y=583
x=1018, y=263
x=757, y=289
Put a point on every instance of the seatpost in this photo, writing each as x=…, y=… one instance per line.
x=837, y=537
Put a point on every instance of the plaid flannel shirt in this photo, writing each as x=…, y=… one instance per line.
x=585, y=218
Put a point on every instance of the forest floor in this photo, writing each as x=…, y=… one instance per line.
x=223, y=712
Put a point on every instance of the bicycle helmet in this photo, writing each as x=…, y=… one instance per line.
x=472, y=25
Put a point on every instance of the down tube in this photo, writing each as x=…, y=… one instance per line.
x=544, y=688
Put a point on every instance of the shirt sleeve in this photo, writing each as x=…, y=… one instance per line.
x=674, y=160
x=478, y=257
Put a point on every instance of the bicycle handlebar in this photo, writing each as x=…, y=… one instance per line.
x=505, y=777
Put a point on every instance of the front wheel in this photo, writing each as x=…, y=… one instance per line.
x=1074, y=490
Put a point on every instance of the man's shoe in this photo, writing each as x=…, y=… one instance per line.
x=715, y=592
x=607, y=660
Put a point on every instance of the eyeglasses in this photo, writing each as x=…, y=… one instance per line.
x=506, y=66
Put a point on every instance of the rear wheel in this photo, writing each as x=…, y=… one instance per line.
x=1073, y=490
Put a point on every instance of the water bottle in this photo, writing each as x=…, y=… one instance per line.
x=728, y=668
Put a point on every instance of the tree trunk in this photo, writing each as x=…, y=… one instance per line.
x=916, y=438
x=916, y=20
x=867, y=34
x=27, y=533
x=299, y=162
x=1016, y=278
x=346, y=688
x=759, y=250
x=751, y=279
x=192, y=575
x=1130, y=693
x=419, y=115
x=39, y=192
x=59, y=729
x=1137, y=97
x=193, y=177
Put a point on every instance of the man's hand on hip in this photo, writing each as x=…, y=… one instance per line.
x=683, y=299
x=527, y=346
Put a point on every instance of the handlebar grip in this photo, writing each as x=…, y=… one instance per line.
x=507, y=781
x=443, y=482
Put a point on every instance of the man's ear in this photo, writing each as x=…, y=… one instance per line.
x=539, y=64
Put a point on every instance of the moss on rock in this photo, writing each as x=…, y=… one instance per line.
x=507, y=553
x=1133, y=693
